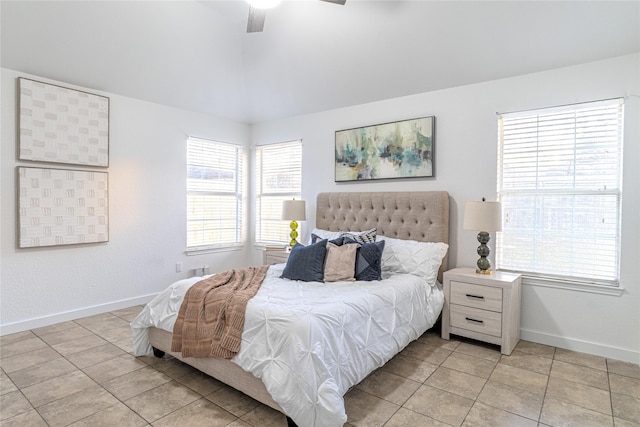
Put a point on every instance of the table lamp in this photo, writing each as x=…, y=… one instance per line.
x=484, y=217
x=294, y=211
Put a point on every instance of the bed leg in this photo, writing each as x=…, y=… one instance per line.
x=158, y=353
x=290, y=423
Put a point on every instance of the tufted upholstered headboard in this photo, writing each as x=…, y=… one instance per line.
x=409, y=215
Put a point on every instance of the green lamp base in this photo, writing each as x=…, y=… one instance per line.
x=294, y=233
x=483, y=250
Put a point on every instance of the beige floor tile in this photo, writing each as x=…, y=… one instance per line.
x=456, y=382
x=116, y=415
x=471, y=365
x=57, y=388
x=240, y=423
x=20, y=347
x=96, y=318
x=25, y=360
x=125, y=344
x=264, y=416
x=126, y=386
x=434, y=340
x=173, y=368
x=116, y=334
x=69, y=334
x=443, y=406
x=201, y=413
x=12, y=338
x=128, y=313
x=30, y=418
x=407, y=418
x=520, y=378
x=366, y=410
x=114, y=368
x=38, y=373
x=426, y=353
x=58, y=327
x=535, y=349
x=160, y=401
x=12, y=404
x=112, y=322
x=557, y=413
x=619, y=422
x=626, y=407
x=409, y=367
x=233, y=401
x=77, y=406
x=482, y=415
x=95, y=355
x=201, y=383
x=625, y=385
x=81, y=344
x=623, y=368
x=531, y=362
x=480, y=351
x=580, y=374
x=511, y=399
x=388, y=386
x=579, y=394
x=6, y=385
x=577, y=358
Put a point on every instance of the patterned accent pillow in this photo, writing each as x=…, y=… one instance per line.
x=339, y=264
x=368, y=236
x=368, y=260
x=306, y=263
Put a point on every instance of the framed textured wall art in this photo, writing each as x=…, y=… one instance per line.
x=401, y=149
x=62, y=125
x=62, y=207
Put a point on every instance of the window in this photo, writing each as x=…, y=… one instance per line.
x=214, y=194
x=278, y=178
x=559, y=181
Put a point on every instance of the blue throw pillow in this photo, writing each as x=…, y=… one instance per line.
x=337, y=241
x=368, y=260
x=306, y=263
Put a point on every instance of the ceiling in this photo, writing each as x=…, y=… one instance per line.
x=312, y=56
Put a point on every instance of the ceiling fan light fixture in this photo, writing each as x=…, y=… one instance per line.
x=264, y=4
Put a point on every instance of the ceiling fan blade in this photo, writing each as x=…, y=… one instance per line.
x=256, y=19
x=342, y=2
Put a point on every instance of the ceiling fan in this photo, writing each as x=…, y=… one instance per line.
x=258, y=11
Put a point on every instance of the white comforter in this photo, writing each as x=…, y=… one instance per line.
x=310, y=342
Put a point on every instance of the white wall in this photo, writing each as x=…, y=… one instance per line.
x=465, y=166
x=147, y=195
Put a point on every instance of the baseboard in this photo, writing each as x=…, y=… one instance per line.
x=39, y=322
x=609, y=352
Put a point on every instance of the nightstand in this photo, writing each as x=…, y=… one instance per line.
x=482, y=307
x=274, y=256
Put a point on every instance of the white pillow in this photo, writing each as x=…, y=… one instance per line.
x=421, y=259
x=324, y=234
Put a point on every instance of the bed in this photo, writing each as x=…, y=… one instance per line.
x=342, y=331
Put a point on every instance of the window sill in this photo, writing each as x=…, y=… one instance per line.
x=573, y=286
x=208, y=250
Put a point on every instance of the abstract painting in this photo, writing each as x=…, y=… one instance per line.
x=401, y=149
x=62, y=125
x=62, y=207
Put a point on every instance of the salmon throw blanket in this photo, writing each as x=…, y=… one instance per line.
x=211, y=317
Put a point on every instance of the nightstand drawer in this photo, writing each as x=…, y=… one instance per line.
x=473, y=319
x=478, y=296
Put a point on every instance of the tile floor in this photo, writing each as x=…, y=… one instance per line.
x=82, y=373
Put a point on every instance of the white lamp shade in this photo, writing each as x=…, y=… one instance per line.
x=294, y=210
x=482, y=216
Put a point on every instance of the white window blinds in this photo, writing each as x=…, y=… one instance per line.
x=278, y=178
x=559, y=181
x=214, y=194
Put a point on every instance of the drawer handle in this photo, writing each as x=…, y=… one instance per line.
x=474, y=320
x=475, y=296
